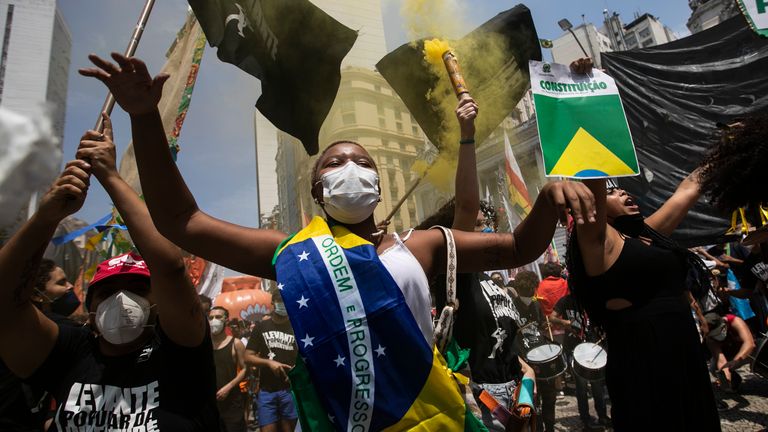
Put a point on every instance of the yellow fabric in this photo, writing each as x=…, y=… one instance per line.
x=439, y=391
x=318, y=226
x=763, y=215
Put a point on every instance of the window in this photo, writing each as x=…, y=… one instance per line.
x=382, y=123
x=399, y=126
x=377, y=87
x=644, y=33
x=347, y=106
x=380, y=110
x=348, y=118
x=398, y=114
x=415, y=130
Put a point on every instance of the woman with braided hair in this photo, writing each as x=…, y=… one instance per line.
x=633, y=281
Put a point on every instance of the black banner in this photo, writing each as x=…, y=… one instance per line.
x=674, y=94
x=293, y=47
x=494, y=61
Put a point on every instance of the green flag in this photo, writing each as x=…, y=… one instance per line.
x=756, y=13
x=582, y=126
x=293, y=47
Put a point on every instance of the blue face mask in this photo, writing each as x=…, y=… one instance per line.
x=487, y=230
x=64, y=305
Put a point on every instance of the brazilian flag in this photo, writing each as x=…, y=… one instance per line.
x=293, y=47
x=582, y=126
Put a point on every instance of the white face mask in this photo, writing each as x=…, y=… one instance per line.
x=350, y=193
x=121, y=317
x=217, y=326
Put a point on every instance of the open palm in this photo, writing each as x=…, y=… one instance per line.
x=131, y=84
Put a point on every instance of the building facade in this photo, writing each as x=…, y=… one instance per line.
x=647, y=31
x=35, y=48
x=709, y=13
x=565, y=49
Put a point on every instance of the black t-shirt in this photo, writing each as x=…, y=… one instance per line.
x=17, y=400
x=160, y=387
x=568, y=309
x=274, y=341
x=486, y=323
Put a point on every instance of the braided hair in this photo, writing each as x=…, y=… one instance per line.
x=697, y=279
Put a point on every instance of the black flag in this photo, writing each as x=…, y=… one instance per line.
x=674, y=96
x=293, y=47
x=494, y=60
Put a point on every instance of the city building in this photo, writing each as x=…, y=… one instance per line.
x=565, y=49
x=709, y=13
x=646, y=31
x=34, y=58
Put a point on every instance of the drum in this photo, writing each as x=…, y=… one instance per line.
x=589, y=361
x=760, y=359
x=547, y=361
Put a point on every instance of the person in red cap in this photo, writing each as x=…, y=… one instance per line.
x=134, y=369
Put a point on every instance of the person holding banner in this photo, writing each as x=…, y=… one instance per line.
x=358, y=303
x=655, y=362
x=137, y=351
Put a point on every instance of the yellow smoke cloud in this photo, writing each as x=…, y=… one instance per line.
x=487, y=55
x=434, y=50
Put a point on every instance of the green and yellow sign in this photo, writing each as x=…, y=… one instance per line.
x=582, y=127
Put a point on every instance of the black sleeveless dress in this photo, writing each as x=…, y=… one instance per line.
x=656, y=373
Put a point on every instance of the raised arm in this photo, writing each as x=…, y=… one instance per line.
x=172, y=206
x=467, y=188
x=179, y=310
x=26, y=335
x=673, y=211
x=481, y=251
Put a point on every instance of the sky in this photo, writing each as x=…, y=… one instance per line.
x=217, y=156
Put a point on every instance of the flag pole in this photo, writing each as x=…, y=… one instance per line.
x=109, y=102
x=410, y=190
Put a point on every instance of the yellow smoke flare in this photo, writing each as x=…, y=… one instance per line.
x=434, y=50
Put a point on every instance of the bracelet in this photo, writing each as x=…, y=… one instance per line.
x=467, y=141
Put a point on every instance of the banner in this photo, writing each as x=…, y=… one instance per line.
x=184, y=57
x=493, y=59
x=756, y=13
x=674, y=96
x=582, y=127
x=293, y=47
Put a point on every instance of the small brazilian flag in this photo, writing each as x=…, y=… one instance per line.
x=582, y=126
x=546, y=43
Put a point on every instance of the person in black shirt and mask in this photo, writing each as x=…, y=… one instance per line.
x=143, y=371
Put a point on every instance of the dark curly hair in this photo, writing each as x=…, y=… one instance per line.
x=44, y=274
x=734, y=169
x=444, y=215
x=525, y=283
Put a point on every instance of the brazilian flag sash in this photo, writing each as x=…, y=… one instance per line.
x=364, y=365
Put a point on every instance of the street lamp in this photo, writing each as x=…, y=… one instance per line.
x=566, y=25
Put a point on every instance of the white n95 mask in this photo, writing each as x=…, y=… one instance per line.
x=350, y=193
x=217, y=326
x=121, y=317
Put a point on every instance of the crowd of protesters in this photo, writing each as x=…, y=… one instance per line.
x=676, y=325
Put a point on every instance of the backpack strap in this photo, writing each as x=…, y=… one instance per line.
x=444, y=328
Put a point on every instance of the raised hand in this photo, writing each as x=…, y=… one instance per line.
x=466, y=112
x=569, y=197
x=582, y=66
x=131, y=84
x=99, y=150
x=68, y=192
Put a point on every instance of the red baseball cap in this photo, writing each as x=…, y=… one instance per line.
x=121, y=265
